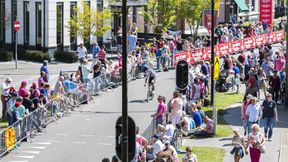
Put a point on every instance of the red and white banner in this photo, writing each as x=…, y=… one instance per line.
x=229, y=48
x=266, y=11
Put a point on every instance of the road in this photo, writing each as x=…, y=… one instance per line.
x=88, y=135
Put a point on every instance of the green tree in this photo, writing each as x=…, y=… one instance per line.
x=160, y=14
x=86, y=21
x=191, y=11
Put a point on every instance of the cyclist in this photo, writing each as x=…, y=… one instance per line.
x=151, y=77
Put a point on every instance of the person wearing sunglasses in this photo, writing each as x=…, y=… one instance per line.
x=189, y=156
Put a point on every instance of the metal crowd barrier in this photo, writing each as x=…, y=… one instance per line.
x=12, y=136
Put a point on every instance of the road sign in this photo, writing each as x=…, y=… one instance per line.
x=216, y=68
x=17, y=25
x=131, y=138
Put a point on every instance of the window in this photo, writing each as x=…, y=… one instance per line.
x=73, y=35
x=38, y=25
x=26, y=23
x=59, y=28
x=2, y=22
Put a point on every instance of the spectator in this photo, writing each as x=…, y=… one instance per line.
x=253, y=113
x=10, y=104
x=41, y=78
x=95, y=50
x=197, y=118
x=105, y=160
x=244, y=107
x=201, y=112
x=115, y=159
x=270, y=115
x=167, y=131
x=132, y=39
x=189, y=156
x=81, y=51
x=27, y=103
x=208, y=130
x=224, y=38
x=168, y=152
x=34, y=91
x=155, y=148
x=255, y=142
x=238, y=142
x=267, y=68
x=102, y=56
x=176, y=108
x=279, y=62
x=44, y=68
x=22, y=90
x=134, y=29
x=274, y=89
x=159, y=115
x=6, y=86
x=85, y=70
x=97, y=69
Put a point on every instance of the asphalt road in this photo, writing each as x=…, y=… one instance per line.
x=88, y=135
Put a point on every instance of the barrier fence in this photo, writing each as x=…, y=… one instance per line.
x=12, y=136
x=229, y=47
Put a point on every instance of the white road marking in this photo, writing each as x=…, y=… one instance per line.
x=82, y=143
x=105, y=144
x=88, y=120
x=87, y=135
x=26, y=157
x=18, y=161
x=37, y=147
x=31, y=152
x=43, y=143
x=61, y=134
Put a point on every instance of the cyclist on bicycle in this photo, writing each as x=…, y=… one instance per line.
x=151, y=77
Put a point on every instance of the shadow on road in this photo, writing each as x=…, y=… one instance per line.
x=137, y=101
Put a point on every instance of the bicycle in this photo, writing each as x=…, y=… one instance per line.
x=150, y=92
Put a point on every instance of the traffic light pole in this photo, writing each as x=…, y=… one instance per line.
x=213, y=65
x=124, y=84
x=212, y=52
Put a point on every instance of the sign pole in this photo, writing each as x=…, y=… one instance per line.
x=212, y=65
x=124, y=84
x=16, y=55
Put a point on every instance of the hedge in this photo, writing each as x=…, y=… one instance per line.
x=66, y=56
x=5, y=55
x=33, y=55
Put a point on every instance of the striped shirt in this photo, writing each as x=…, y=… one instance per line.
x=101, y=55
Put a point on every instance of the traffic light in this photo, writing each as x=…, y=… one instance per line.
x=182, y=69
x=131, y=138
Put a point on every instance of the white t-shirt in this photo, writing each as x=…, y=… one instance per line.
x=253, y=111
x=158, y=146
x=170, y=128
x=81, y=52
x=5, y=86
x=192, y=159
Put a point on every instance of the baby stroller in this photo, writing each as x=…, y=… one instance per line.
x=221, y=84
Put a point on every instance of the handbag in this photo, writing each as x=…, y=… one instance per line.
x=262, y=149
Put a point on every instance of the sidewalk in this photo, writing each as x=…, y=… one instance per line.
x=273, y=154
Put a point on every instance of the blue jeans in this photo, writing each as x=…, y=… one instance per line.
x=268, y=126
x=249, y=124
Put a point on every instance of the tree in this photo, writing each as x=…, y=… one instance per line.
x=160, y=14
x=86, y=21
x=191, y=11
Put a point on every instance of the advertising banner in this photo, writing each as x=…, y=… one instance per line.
x=229, y=48
x=266, y=11
x=207, y=19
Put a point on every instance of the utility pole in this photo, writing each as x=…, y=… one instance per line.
x=286, y=34
x=124, y=85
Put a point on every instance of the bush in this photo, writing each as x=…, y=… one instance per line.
x=33, y=55
x=5, y=55
x=66, y=56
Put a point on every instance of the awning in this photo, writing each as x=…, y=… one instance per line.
x=242, y=5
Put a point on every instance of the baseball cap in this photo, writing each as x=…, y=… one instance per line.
x=17, y=104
